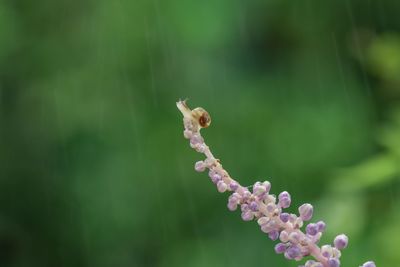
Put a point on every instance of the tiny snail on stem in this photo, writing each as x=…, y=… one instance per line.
x=199, y=115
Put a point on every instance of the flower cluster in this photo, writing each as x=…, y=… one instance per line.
x=258, y=204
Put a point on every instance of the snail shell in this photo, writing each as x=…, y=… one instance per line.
x=202, y=117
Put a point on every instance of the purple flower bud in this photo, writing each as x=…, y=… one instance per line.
x=247, y=215
x=233, y=186
x=200, y=166
x=270, y=199
x=271, y=207
x=284, y=217
x=244, y=207
x=273, y=235
x=294, y=237
x=232, y=205
x=267, y=185
x=246, y=195
x=235, y=197
x=263, y=220
x=269, y=226
x=256, y=185
x=259, y=190
x=341, y=241
x=306, y=212
x=262, y=197
x=333, y=262
x=253, y=206
x=215, y=178
x=284, y=199
x=312, y=229
x=369, y=264
x=292, y=252
x=284, y=194
x=222, y=186
x=233, y=201
x=284, y=236
x=280, y=248
x=326, y=251
x=312, y=263
x=321, y=226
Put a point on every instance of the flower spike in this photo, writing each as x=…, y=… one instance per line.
x=263, y=207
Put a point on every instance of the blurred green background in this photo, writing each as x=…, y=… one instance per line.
x=94, y=170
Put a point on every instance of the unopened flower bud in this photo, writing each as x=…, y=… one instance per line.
x=341, y=241
x=280, y=248
x=215, y=177
x=292, y=252
x=233, y=186
x=294, y=237
x=271, y=207
x=306, y=212
x=273, y=235
x=284, y=217
x=326, y=251
x=253, y=206
x=259, y=190
x=247, y=215
x=284, y=236
x=284, y=199
x=200, y=166
x=369, y=264
x=333, y=262
x=312, y=229
x=232, y=206
x=222, y=186
x=321, y=226
x=309, y=263
x=267, y=186
x=262, y=220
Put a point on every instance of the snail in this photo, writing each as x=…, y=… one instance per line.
x=198, y=115
x=202, y=117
